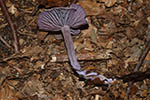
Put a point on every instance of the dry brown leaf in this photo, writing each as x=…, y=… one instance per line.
x=53, y=3
x=144, y=93
x=119, y=10
x=88, y=32
x=130, y=32
x=96, y=81
x=140, y=13
x=133, y=90
x=78, y=45
x=148, y=57
x=41, y=35
x=136, y=23
x=108, y=3
x=31, y=87
x=88, y=45
x=7, y=93
x=123, y=94
x=39, y=64
x=57, y=97
x=30, y=51
x=89, y=67
x=91, y=7
x=94, y=36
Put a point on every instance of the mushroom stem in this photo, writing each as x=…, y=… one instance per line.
x=70, y=48
x=62, y=19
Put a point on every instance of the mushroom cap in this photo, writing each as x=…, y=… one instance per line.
x=54, y=19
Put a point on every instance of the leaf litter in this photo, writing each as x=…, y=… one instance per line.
x=118, y=29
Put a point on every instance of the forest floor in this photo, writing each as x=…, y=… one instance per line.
x=111, y=46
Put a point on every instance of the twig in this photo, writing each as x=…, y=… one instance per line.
x=15, y=56
x=145, y=52
x=138, y=66
x=5, y=11
x=35, y=10
x=64, y=58
x=5, y=42
x=27, y=34
x=81, y=57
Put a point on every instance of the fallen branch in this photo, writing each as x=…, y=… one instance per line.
x=5, y=11
x=64, y=58
x=81, y=57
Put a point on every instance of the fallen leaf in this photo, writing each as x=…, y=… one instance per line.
x=78, y=45
x=88, y=32
x=7, y=93
x=93, y=36
x=88, y=45
x=31, y=51
x=134, y=89
x=57, y=97
x=91, y=7
x=108, y=3
x=96, y=81
x=54, y=3
x=41, y=35
x=130, y=32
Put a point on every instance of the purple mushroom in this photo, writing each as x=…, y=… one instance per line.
x=68, y=21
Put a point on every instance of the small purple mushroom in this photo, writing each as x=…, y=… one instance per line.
x=68, y=21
